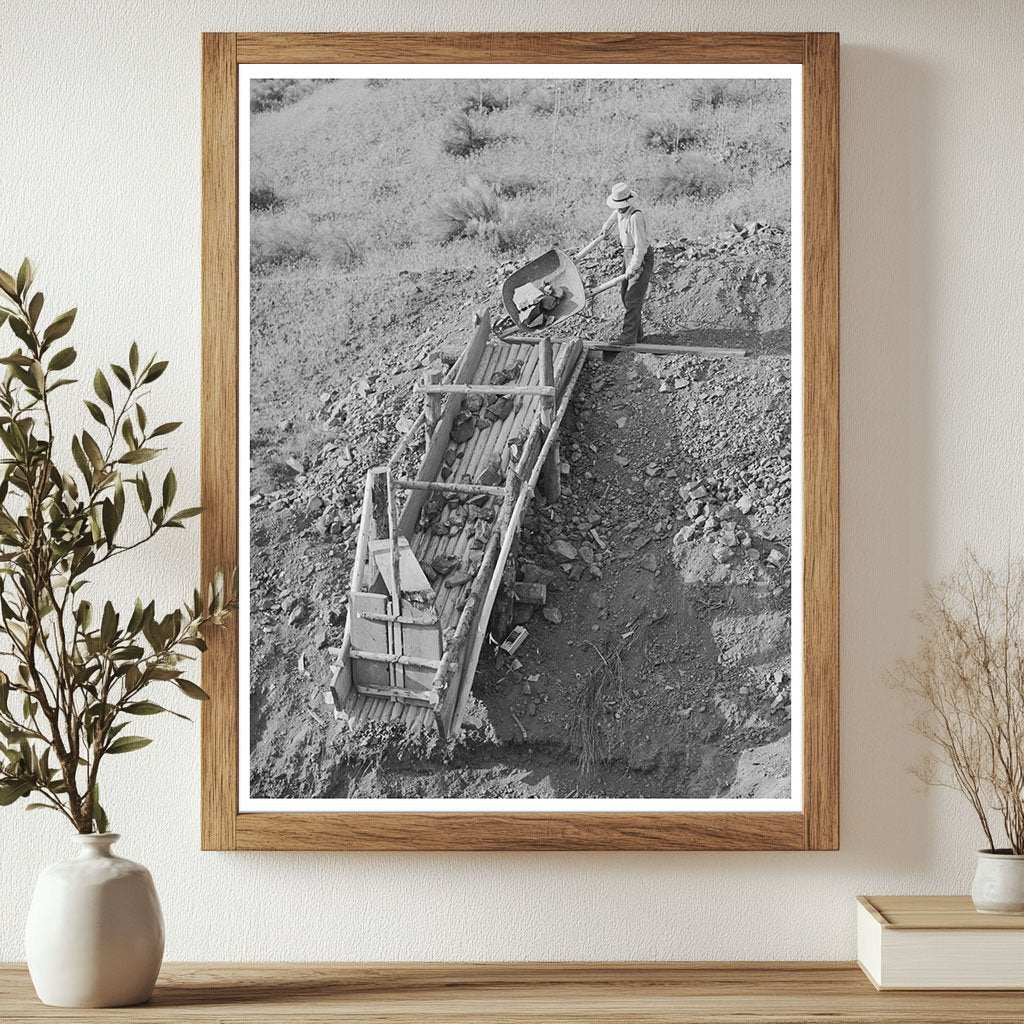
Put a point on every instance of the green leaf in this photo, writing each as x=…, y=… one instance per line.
x=20, y=329
x=8, y=285
x=14, y=790
x=35, y=307
x=139, y=455
x=185, y=513
x=92, y=449
x=145, y=497
x=26, y=274
x=191, y=690
x=63, y=359
x=95, y=412
x=170, y=488
x=165, y=428
x=133, y=358
x=154, y=372
x=41, y=807
x=126, y=744
x=102, y=388
x=121, y=374
x=60, y=326
x=99, y=816
x=128, y=433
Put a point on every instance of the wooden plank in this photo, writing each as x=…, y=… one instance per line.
x=821, y=441
x=526, y=993
x=485, y=389
x=411, y=577
x=421, y=639
x=449, y=487
x=368, y=635
x=668, y=350
x=521, y=47
x=388, y=658
x=431, y=465
x=401, y=695
x=218, y=456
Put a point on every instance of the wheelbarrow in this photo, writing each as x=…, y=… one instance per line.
x=558, y=269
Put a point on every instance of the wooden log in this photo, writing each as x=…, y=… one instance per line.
x=406, y=439
x=401, y=619
x=429, y=468
x=397, y=695
x=509, y=530
x=393, y=659
x=431, y=402
x=483, y=389
x=667, y=350
x=441, y=485
x=552, y=479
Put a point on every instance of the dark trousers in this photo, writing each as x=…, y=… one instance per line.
x=633, y=299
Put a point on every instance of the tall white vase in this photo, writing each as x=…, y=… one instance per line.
x=95, y=934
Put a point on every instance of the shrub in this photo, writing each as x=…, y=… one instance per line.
x=463, y=136
x=483, y=99
x=293, y=237
x=472, y=211
x=540, y=100
x=712, y=94
x=262, y=194
x=512, y=185
x=670, y=136
x=693, y=175
x=274, y=93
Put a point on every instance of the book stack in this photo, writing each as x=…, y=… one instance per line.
x=938, y=942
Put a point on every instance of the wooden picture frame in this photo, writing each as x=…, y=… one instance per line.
x=816, y=826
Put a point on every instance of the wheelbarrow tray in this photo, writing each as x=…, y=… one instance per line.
x=558, y=268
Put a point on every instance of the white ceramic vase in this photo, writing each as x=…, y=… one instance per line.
x=95, y=934
x=999, y=883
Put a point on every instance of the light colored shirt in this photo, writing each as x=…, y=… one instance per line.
x=632, y=234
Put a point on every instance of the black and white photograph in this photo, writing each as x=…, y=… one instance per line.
x=520, y=437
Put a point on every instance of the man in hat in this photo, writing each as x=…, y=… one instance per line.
x=637, y=254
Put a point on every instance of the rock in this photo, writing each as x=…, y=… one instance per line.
x=649, y=562
x=459, y=578
x=297, y=614
x=444, y=564
x=776, y=557
x=563, y=550
x=722, y=553
x=463, y=428
x=745, y=504
x=552, y=614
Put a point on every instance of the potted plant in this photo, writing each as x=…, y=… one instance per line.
x=967, y=682
x=78, y=671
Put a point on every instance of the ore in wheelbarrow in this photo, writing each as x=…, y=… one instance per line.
x=556, y=270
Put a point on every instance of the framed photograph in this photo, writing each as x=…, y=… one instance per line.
x=520, y=420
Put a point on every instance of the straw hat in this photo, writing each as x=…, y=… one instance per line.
x=622, y=196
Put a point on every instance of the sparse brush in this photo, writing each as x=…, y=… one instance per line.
x=472, y=211
x=693, y=176
x=540, y=100
x=293, y=237
x=670, y=135
x=463, y=136
x=274, y=93
x=484, y=99
x=967, y=680
x=262, y=194
x=512, y=185
x=712, y=94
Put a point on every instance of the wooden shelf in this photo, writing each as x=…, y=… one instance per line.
x=631, y=993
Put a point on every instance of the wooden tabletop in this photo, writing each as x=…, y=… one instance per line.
x=658, y=993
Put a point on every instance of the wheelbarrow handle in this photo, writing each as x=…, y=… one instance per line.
x=609, y=284
x=588, y=247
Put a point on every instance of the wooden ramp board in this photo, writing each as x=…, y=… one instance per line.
x=411, y=577
x=368, y=634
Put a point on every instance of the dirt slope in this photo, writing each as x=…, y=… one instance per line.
x=663, y=652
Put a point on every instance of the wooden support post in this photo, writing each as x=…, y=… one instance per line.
x=396, y=576
x=552, y=483
x=483, y=389
x=453, y=488
x=431, y=401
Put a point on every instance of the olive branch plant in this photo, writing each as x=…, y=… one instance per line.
x=74, y=675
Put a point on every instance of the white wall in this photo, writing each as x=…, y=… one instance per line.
x=99, y=181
